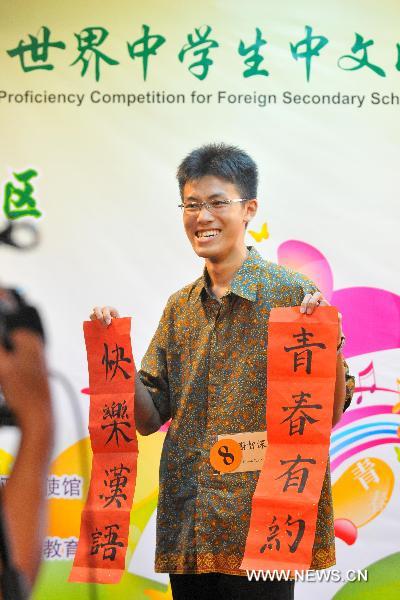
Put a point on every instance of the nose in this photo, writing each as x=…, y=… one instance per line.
x=204, y=215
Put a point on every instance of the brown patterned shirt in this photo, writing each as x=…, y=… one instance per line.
x=206, y=369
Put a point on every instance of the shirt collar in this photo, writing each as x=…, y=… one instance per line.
x=244, y=282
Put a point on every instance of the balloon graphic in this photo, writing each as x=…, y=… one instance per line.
x=383, y=582
x=346, y=531
x=363, y=490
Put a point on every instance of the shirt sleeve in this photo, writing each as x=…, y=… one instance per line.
x=350, y=385
x=153, y=372
x=301, y=286
x=307, y=286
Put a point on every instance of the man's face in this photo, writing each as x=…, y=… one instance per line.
x=225, y=228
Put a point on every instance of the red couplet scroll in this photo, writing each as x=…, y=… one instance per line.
x=100, y=557
x=301, y=377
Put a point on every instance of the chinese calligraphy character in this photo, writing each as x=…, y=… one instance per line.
x=70, y=546
x=89, y=40
x=310, y=50
x=300, y=532
x=200, y=47
x=110, y=543
x=119, y=357
x=117, y=482
x=297, y=425
x=72, y=486
x=360, y=46
x=116, y=413
x=52, y=549
x=303, y=339
x=292, y=473
x=38, y=51
x=274, y=530
x=146, y=46
x=365, y=473
x=254, y=60
x=19, y=202
x=53, y=486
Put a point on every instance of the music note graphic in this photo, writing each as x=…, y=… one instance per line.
x=366, y=379
x=396, y=407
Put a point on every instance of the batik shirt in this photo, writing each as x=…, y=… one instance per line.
x=205, y=369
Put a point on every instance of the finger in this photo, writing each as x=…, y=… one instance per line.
x=324, y=302
x=114, y=313
x=106, y=316
x=96, y=314
x=315, y=300
x=340, y=329
x=311, y=304
x=303, y=305
x=320, y=300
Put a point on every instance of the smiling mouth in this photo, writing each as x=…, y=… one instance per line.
x=210, y=233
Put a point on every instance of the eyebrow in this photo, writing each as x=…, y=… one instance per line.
x=209, y=197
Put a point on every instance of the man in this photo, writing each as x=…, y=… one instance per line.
x=24, y=383
x=206, y=369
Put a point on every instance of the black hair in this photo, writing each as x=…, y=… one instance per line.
x=224, y=161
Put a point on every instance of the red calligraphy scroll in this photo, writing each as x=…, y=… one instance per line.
x=103, y=540
x=301, y=376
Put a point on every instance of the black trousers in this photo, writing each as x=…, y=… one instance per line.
x=219, y=586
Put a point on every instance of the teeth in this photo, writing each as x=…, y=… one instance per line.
x=209, y=233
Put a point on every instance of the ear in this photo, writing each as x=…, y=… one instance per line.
x=251, y=209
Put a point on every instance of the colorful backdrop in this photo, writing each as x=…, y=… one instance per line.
x=99, y=102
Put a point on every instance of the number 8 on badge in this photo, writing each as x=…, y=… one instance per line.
x=225, y=455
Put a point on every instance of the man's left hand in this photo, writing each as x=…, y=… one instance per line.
x=311, y=301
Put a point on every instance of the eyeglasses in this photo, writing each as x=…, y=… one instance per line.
x=214, y=206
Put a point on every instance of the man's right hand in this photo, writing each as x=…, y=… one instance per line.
x=104, y=314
